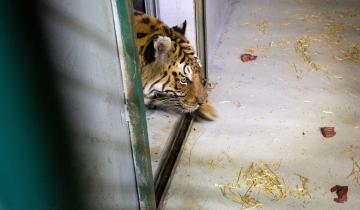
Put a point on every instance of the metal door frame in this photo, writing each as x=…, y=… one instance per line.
x=124, y=28
x=151, y=190
x=152, y=8
x=182, y=129
x=200, y=25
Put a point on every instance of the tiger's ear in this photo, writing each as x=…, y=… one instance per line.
x=181, y=28
x=157, y=48
x=162, y=46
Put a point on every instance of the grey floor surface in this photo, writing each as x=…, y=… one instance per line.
x=161, y=125
x=271, y=109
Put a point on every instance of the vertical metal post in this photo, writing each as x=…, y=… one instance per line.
x=200, y=25
x=152, y=8
x=124, y=27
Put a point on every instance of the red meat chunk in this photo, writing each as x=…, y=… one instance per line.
x=247, y=57
x=328, y=131
x=341, y=192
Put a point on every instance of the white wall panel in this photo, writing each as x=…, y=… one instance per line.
x=174, y=12
x=217, y=13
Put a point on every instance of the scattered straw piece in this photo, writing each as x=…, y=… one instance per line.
x=338, y=77
x=327, y=112
x=333, y=33
x=333, y=39
x=223, y=158
x=279, y=44
x=335, y=27
x=326, y=15
x=355, y=172
x=353, y=153
x=250, y=50
x=301, y=191
x=246, y=200
x=263, y=178
x=258, y=48
x=302, y=48
x=349, y=13
x=263, y=26
x=352, y=54
x=298, y=71
x=214, y=164
x=309, y=18
x=285, y=24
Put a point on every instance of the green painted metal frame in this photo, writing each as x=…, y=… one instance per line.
x=135, y=106
x=200, y=26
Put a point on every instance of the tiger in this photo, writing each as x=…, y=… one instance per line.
x=170, y=69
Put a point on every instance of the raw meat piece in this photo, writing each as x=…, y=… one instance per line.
x=341, y=192
x=247, y=57
x=328, y=131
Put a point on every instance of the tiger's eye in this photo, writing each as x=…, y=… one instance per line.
x=183, y=80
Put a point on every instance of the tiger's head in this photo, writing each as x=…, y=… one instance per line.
x=171, y=75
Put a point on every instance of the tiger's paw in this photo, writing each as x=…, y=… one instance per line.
x=206, y=111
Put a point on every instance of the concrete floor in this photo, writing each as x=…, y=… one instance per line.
x=160, y=124
x=270, y=111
